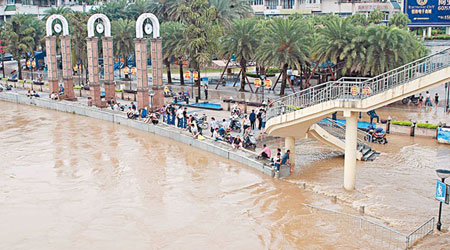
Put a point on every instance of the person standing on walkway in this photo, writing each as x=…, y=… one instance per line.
x=180, y=117
x=420, y=100
x=259, y=117
x=246, y=123
x=436, y=100
x=206, y=92
x=427, y=101
x=253, y=119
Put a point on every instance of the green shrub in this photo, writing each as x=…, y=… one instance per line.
x=118, y=90
x=77, y=87
x=427, y=125
x=439, y=37
x=46, y=84
x=4, y=79
x=402, y=123
x=294, y=107
x=21, y=81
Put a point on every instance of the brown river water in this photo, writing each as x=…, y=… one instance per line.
x=72, y=182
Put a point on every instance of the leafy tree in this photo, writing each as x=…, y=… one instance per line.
x=229, y=10
x=376, y=16
x=124, y=31
x=285, y=44
x=400, y=20
x=199, y=35
x=19, y=38
x=173, y=46
x=241, y=40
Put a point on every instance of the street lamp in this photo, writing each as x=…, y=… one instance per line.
x=443, y=174
x=263, y=78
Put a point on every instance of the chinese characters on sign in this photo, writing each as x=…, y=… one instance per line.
x=428, y=12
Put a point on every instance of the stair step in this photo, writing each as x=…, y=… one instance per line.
x=373, y=157
x=366, y=150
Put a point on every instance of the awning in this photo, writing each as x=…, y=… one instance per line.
x=395, y=4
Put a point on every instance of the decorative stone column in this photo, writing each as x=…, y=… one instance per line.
x=157, y=72
x=66, y=51
x=52, y=71
x=108, y=67
x=93, y=70
x=141, y=72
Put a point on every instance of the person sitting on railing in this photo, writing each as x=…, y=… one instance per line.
x=285, y=160
x=216, y=135
x=35, y=94
x=54, y=96
x=265, y=152
x=29, y=93
x=277, y=161
x=237, y=142
x=194, y=131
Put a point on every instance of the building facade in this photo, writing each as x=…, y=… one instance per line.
x=321, y=7
x=8, y=8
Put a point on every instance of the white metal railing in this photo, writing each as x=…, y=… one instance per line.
x=356, y=88
x=380, y=234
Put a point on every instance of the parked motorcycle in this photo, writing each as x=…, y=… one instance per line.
x=413, y=99
x=235, y=125
x=250, y=142
x=376, y=135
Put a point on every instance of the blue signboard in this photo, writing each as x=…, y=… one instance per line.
x=428, y=12
x=441, y=191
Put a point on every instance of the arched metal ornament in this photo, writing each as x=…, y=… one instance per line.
x=140, y=23
x=106, y=23
x=49, y=23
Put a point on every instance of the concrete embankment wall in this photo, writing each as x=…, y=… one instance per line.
x=219, y=148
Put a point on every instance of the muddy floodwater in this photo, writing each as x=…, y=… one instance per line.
x=72, y=182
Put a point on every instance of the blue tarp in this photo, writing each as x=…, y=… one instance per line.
x=443, y=135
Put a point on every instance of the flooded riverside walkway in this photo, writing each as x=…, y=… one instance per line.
x=72, y=182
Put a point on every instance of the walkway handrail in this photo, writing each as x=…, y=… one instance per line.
x=348, y=88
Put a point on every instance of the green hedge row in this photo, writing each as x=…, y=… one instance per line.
x=439, y=37
x=419, y=125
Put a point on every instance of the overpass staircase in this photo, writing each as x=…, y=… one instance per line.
x=332, y=133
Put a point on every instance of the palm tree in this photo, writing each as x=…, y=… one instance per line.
x=199, y=35
x=60, y=10
x=242, y=40
x=400, y=20
x=19, y=38
x=114, y=9
x=285, y=44
x=376, y=16
x=165, y=10
x=78, y=30
x=229, y=10
x=173, y=46
x=134, y=10
x=124, y=31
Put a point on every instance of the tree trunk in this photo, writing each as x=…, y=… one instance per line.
x=283, y=80
x=169, y=74
x=243, y=64
x=181, y=72
x=198, y=85
x=19, y=69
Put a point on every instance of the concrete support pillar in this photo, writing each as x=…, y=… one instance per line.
x=108, y=66
x=141, y=72
x=447, y=30
x=429, y=32
x=157, y=69
x=350, y=149
x=289, y=144
x=66, y=51
x=93, y=70
x=52, y=70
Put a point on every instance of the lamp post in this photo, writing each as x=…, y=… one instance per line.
x=443, y=174
x=263, y=78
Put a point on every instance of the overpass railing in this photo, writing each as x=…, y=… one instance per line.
x=349, y=88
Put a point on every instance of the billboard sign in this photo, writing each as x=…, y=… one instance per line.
x=428, y=12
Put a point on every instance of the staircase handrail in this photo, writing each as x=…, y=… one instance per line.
x=357, y=90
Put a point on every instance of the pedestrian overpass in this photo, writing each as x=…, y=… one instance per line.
x=293, y=116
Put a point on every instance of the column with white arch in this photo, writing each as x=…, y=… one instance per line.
x=141, y=61
x=66, y=51
x=108, y=62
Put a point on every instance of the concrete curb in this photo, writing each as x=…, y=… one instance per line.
x=219, y=148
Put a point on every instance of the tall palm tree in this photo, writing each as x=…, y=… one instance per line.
x=165, y=10
x=376, y=16
x=332, y=38
x=134, y=10
x=114, y=9
x=173, y=46
x=400, y=20
x=19, y=38
x=60, y=10
x=229, y=10
x=241, y=40
x=78, y=30
x=124, y=31
x=285, y=44
x=199, y=35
